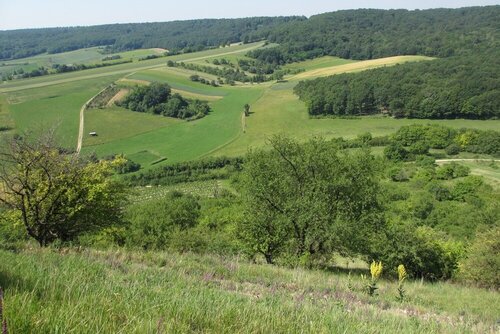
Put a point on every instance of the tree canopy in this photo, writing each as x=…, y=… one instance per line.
x=308, y=199
x=456, y=87
x=157, y=99
x=58, y=197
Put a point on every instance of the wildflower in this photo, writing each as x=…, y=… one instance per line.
x=402, y=276
x=376, y=270
x=401, y=273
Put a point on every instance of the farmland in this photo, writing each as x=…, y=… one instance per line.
x=274, y=109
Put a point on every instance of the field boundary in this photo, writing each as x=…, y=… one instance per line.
x=82, y=115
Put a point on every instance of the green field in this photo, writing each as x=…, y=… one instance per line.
x=91, y=291
x=82, y=56
x=59, y=106
x=57, y=99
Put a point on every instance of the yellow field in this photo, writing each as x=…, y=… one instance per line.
x=358, y=66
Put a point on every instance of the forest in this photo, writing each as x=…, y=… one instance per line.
x=185, y=36
x=371, y=33
x=455, y=87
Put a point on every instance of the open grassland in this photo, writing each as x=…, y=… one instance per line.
x=59, y=106
x=181, y=140
x=119, y=123
x=280, y=111
x=136, y=292
x=323, y=71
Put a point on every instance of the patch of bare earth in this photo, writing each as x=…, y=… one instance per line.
x=118, y=97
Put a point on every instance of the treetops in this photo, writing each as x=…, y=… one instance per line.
x=157, y=98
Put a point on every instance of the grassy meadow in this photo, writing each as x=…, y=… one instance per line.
x=89, y=291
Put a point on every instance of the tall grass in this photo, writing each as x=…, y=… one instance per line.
x=134, y=292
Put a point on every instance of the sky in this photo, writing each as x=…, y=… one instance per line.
x=18, y=14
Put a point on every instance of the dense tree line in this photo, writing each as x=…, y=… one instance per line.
x=455, y=87
x=188, y=36
x=158, y=99
x=373, y=33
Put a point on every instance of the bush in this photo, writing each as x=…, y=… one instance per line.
x=153, y=224
x=424, y=252
x=452, y=149
x=398, y=174
x=440, y=192
x=466, y=188
x=482, y=265
x=419, y=147
x=396, y=152
x=451, y=171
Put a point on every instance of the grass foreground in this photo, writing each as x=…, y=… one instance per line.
x=117, y=291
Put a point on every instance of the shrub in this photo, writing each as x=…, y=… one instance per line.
x=398, y=174
x=452, y=149
x=396, y=152
x=440, y=192
x=425, y=252
x=467, y=187
x=482, y=264
x=419, y=147
x=153, y=224
x=452, y=171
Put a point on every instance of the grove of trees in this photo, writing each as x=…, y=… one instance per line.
x=157, y=98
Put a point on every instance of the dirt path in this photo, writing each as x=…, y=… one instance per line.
x=458, y=160
x=81, y=126
x=118, y=96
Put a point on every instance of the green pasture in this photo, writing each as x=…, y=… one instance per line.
x=59, y=106
x=178, y=140
x=118, y=123
x=279, y=111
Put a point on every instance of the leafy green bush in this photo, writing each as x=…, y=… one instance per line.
x=420, y=147
x=482, y=265
x=395, y=152
x=399, y=174
x=153, y=224
x=452, y=171
x=467, y=187
x=452, y=149
x=425, y=252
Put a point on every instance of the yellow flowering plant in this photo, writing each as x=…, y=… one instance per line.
x=402, y=277
x=375, y=271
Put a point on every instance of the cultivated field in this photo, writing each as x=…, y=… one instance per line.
x=57, y=99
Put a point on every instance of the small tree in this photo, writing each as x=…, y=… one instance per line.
x=308, y=199
x=246, y=108
x=58, y=196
